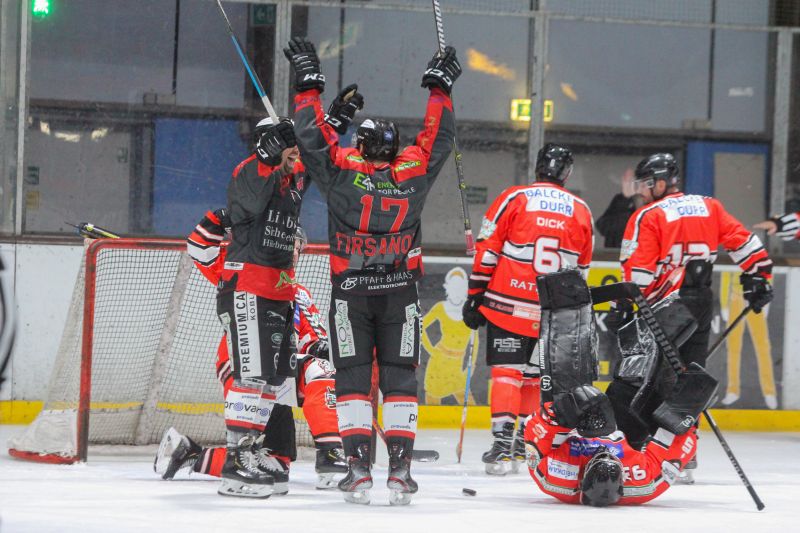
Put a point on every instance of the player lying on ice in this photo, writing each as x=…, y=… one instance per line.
x=574, y=450
x=315, y=385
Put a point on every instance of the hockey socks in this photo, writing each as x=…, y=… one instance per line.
x=248, y=406
x=505, y=397
x=355, y=421
x=400, y=418
x=319, y=408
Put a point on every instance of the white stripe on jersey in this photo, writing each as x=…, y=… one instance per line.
x=489, y=258
x=210, y=236
x=520, y=252
x=643, y=278
x=204, y=256
x=750, y=247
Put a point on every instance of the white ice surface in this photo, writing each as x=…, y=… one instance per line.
x=117, y=491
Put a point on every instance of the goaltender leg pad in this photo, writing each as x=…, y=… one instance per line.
x=690, y=396
x=567, y=339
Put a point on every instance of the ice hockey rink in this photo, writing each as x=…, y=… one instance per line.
x=118, y=491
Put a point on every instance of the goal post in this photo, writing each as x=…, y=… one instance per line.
x=138, y=352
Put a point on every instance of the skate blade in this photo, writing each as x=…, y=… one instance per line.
x=516, y=466
x=360, y=497
x=231, y=487
x=399, y=497
x=329, y=480
x=280, y=489
x=169, y=444
x=686, y=478
x=498, y=469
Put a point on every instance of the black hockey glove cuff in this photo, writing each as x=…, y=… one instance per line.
x=787, y=226
x=273, y=141
x=320, y=349
x=442, y=71
x=344, y=108
x=473, y=318
x=303, y=57
x=756, y=290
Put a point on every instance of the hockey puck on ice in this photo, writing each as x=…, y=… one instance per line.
x=468, y=492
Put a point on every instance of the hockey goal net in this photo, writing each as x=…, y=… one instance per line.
x=138, y=352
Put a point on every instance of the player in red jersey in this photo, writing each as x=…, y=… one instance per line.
x=315, y=385
x=375, y=194
x=606, y=470
x=786, y=226
x=529, y=230
x=670, y=244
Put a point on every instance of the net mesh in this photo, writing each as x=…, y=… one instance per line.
x=155, y=338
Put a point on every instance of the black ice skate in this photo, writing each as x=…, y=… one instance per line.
x=176, y=452
x=400, y=482
x=358, y=481
x=518, y=449
x=331, y=466
x=498, y=458
x=241, y=474
x=277, y=468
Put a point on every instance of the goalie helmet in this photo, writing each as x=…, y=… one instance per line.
x=658, y=167
x=554, y=163
x=601, y=484
x=377, y=139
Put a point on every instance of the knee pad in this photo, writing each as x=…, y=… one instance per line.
x=354, y=380
x=398, y=380
x=511, y=374
x=315, y=369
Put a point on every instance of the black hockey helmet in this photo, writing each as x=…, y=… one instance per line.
x=301, y=236
x=601, y=484
x=378, y=139
x=658, y=167
x=554, y=163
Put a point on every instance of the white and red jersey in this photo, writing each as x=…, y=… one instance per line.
x=663, y=236
x=557, y=457
x=529, y=230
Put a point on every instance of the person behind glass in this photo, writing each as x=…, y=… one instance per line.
x=611, y=223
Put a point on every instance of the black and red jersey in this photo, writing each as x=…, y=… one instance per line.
x=209, y=253
x=557, y=457
x=374, y=211
x=528, y=230
x=264, y=206
x=663, y=236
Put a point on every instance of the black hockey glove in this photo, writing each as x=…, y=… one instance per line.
x=472, y=317
x=224, y=219
x=756, y=290
x=344, y=107
x=303, y=56
x=320, y=349
x=786, y=226
x=442, y=71
x=587, y=409
x=273, y=141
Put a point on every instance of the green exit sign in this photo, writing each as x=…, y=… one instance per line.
x=263, y=15
x=40, y=8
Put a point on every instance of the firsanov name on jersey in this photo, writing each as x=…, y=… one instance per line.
x=684, y=206
x=551, y=200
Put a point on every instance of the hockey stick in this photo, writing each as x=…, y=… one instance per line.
x=632, y=292
x=253, y=76
x=90, y=231
x=462, y=185
x=736, y=466
x=423, y=456
x=470, y=346
x=721, y=338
